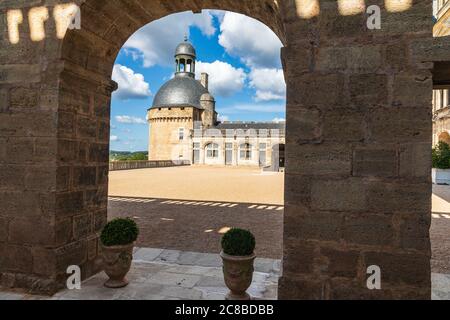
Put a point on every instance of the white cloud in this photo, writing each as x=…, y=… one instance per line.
x=268, y=83
x=224, y=79
x=130, y=120
x=252, y=108
x=114, y=138
x=251, y=40
x=278, y=120
x=131, y=85
x=223, y=118
x=156, y=42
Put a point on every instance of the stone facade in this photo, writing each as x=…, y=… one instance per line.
x=441, y=96
x=165, y=127
x=239, y=144
x=442, y=15
x=359, y=127
x=183, y=125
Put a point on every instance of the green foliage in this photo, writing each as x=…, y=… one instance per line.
x=119, y=232
x=441, y=156
x=128, y=156
x=139, y=156
x=238, y=242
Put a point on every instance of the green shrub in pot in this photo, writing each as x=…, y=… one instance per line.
x=238, y=242
x=117, y=239
x=238, y=257
x=119, y=232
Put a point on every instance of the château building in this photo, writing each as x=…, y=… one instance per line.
x=183, y=124
x=441, y=96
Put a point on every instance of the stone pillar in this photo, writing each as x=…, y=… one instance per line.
x=358, y=155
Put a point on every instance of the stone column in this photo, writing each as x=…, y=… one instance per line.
x=358, y=155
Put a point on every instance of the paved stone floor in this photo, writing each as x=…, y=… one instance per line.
x=159, y=274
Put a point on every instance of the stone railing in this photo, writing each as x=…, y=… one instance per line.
x=132, y=165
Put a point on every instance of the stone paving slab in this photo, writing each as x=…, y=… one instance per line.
x=158, y=274
x=153, y=277
x=186, y=258
x=441, y=286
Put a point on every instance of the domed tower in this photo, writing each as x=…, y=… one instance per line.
x=179, y=103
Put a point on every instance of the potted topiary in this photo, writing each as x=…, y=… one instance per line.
x=238, y=255
x=117, y=240
x=441, y=163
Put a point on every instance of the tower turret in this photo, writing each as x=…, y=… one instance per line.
x=185, y=56
x=209, y=115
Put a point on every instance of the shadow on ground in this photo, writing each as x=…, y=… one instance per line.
x=198, y=226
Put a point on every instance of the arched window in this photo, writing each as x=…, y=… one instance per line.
x=246, y=151
x=212, y=150
x=444, y=137
x=182, y=65
x=189, y=66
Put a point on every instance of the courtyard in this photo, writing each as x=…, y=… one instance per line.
x=189, y=208
x=182, y=213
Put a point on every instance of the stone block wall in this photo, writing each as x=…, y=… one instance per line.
x=358, y=154
x=358, y=129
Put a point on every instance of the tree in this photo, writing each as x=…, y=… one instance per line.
x=441, y=156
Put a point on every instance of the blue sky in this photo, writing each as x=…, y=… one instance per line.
x=241, y=55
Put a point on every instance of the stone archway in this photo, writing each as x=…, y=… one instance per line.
x=357, y=189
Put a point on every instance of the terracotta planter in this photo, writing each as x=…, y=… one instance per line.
x=238, y=275
x=117, y=262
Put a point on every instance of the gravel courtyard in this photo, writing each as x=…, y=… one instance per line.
x=245, y=185
x=189, y=208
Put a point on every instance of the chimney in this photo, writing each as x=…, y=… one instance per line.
x=204, y=80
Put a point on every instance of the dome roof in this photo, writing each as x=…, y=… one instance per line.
x=181, y=91
x=185, y=48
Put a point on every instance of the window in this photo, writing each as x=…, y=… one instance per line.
x=440, y=99
x=262, y=146
x=182, y=67
x=181, y=134
x=212, y=150
x=246, y=151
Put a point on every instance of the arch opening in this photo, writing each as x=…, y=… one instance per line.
x=189, y=101
x=354, y=170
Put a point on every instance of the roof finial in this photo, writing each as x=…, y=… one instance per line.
x=186, y=37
